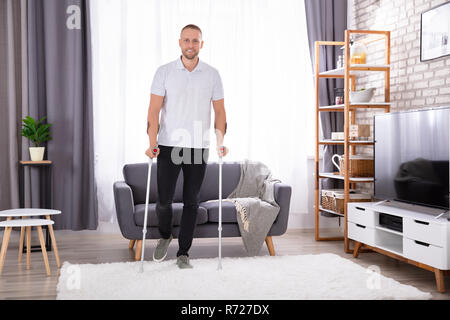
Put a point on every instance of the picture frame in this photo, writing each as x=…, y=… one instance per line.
x=435, y=33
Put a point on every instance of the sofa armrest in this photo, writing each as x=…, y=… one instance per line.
x=282, y=196
x=123, y=198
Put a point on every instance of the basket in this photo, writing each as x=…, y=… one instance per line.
x=328, y=198
x=360, y=166
x=334, y=199
x=359, y=132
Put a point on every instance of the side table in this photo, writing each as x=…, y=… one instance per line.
x=28, y=213
x=45, y=198
x=28, y=223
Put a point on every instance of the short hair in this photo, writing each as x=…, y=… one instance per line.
x=194, y=27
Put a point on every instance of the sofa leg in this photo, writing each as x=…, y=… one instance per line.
x=137, y=256
x=131, y=244
x=269, y=244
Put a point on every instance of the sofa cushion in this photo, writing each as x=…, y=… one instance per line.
x=152, y=219
x=228, y=211
x=231, y=174
x=135, y=176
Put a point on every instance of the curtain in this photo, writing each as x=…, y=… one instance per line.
x=260, y=48
x=327, y=21
x=13, y=97
x=60, y=87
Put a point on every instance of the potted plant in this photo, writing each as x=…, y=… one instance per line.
x=38, y=133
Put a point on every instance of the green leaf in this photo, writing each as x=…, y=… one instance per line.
x=29, y=123
x=42, y=120
x=36, y=132
x=42, y=138
x=43, y=128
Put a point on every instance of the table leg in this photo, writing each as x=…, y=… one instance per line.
x=48, y=240
x=48, y=205
x=44, y=251
x=49, y=199
x=55, y=248
x=5, y=242
x=28, y=248
x=439, y=275
x=22, y=234
x=21, y=186
x=358, y=246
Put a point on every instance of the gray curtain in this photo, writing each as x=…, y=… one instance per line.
x=13, y=97
x=60, y=87
x=327, y=21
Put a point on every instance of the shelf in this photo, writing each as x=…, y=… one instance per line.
x=330, y=211
x=324, y=175
x=342, y=142
x=369, y=67
x=331, y=73
x=350, y=73
x=389, y=241
x=389, y=230
x=340, y=72
x=353, y=106
x=395, y=248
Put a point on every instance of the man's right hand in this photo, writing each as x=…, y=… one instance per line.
x=150, y=153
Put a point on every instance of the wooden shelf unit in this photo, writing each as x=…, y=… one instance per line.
x=349, y=74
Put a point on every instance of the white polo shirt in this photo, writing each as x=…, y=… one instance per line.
x=186, y=113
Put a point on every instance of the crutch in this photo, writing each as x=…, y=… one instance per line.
x=220, y=207
x=144, y=230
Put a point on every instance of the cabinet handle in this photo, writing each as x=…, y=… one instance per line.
x=421, y=222
x=358, y=225
x=360, y=209
x=422, y=243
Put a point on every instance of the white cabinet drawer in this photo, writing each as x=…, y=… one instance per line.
x=425, y=231
x=359, y=215
x=361, y=233
x=424, y=252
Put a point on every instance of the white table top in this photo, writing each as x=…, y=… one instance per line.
x=28, y=212
x=26, y=223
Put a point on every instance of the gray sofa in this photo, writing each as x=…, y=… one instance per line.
x=130, y=194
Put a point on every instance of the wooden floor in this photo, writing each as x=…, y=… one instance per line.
x=93, y=247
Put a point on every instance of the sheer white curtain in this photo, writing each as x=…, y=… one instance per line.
x=261, y=50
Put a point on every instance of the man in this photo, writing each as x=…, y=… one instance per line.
x=182, y=91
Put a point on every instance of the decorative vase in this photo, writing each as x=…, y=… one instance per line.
x=358, y=53
x=37, y=154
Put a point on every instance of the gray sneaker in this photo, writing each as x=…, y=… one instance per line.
x=160, y=252
x=183, y=262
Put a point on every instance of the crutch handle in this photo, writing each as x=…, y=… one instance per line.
x=222, y=150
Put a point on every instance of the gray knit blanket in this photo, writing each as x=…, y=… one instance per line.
x=255, y=204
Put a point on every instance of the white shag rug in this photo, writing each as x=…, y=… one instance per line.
x=324, y=276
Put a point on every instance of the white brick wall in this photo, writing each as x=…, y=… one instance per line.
x=414, y=84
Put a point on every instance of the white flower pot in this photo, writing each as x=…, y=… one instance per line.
x=37, y=154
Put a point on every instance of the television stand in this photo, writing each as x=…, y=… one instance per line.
x=413, y=234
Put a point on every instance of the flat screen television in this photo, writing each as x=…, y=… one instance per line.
x=412, y=157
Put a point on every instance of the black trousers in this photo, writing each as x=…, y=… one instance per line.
x=193, y=163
